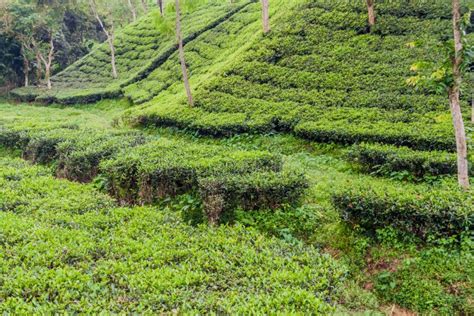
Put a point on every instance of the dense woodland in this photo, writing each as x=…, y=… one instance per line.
x=237, y=157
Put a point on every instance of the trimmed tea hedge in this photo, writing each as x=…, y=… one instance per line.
x=249, y=192
x=248, y=179
x=385, y=159
x=419, y=136
x=421, y=210
x=79, y=160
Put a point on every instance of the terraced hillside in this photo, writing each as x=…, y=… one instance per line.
x=322, y=76
x=140, y=48
x=217, y=45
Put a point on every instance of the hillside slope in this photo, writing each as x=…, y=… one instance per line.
x=140, y=48
x=323, y=76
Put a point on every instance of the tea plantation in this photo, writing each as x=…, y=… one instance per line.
x=308, y=177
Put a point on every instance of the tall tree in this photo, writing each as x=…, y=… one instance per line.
x=18, y=21
x=447, y=78
x=109, y=32
x=454, y=94
x=371, y=12
x=47, y=27
x=46, y=57
x=265, y=16
x=179, y=40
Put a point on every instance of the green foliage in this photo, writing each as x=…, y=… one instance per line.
x=435, y=279
x=66, y=248
x=438, y=76
x=421, y=210
x=249, y=192
x=386, y=160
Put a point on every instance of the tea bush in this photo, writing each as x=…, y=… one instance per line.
x=386, y=159
x=418, y=209
x=248, y=179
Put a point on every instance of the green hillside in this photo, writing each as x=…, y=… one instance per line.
x=308, y=177
x=140, y=48
x=323, y=77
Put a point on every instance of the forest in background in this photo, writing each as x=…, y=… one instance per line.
x=28, y=26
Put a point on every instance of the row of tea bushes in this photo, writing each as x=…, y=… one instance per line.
x=76, y=151
x=238, y=87
x=68, y=249
x=422, y=210
x=419, y=136
x=386, y=159
x=141, y=170
x=225, y=179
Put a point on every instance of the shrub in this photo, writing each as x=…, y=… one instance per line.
x=419, y=136
x=26, y=189
x=385, y=159
x=246, y=179
x=79, y=160
x=422, y=210
x=258, y=190
x=163, y=168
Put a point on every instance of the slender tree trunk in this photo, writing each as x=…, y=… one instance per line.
x=26, y=66
x=50, y=62
x=160, y=5
x=265, y=16
x=371, y=12
x=179, y=39
x=144, y=6
x=472, y=105
x=46, y=62
x=26, y=70
x=110, y=38
x=39, y=67
x=454, y=91
x=133, y=10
